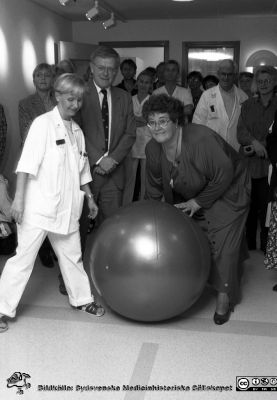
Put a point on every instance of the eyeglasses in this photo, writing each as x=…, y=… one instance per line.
x=102, y=68
x=162, y=123
x=261, y=82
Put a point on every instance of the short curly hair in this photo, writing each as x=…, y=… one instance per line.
x=162, y=103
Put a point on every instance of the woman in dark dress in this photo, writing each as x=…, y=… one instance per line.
x=271, y=247
x=193, y=168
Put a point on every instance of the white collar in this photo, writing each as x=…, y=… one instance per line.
x=98, y=88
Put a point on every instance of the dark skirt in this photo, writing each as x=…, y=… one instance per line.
x=229, y=251
x=270, y=260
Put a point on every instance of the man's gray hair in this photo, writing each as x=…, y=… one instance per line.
x=228, y=62
x=105, y=52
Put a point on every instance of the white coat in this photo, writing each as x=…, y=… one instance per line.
x=53, y=204
x=57, y=169
x=180, y=93
x=211, y=112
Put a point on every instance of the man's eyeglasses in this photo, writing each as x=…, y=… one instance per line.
x=162, y=123
x=102, y=68
x=261, y=82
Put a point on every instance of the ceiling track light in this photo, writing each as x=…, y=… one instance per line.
x=110, y=22
x=64, y=2
x=93, y=12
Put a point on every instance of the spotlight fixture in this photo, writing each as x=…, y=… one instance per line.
x=64, y=2
x=110, y=22
x=93, y=12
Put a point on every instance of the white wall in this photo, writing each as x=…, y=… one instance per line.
x=254, y=33
x=25, y=28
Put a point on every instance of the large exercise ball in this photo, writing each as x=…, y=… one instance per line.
x=150, y=261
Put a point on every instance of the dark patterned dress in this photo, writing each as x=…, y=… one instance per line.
x=270, y=260
x=214, y=174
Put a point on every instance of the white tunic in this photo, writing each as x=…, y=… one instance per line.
x=211, y=112
x=57, y=169
x=180, y=93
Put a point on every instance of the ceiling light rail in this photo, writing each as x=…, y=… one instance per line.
x=100, y=12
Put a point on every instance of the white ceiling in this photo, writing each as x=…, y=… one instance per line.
x=164, y=9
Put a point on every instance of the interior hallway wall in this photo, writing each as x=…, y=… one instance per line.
x=254, y=33
x=25, y=28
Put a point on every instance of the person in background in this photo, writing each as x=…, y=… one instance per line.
x=193, y=168
x=128, y=69
x=32, y=106
x=195, y=79
x=136, y=159
x=171, y=88
x=245, y=82
x=257, y=116
x=63, y=67
x=109, y=126
x=3, y=133
x=219, y=107
x=38, y=103
x=270, y=260
x=209, y=81
x=88, y=74
x=7, y=226
x=160, y=75
x=51, y=185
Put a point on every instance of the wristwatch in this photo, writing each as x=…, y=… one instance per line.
x=90, y=196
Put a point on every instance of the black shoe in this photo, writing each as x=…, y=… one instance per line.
x=62, y=289
x=54, y=256
x=220, y=319
x=275, y=288
x=47, y=260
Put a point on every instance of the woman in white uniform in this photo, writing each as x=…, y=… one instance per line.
x=53, y=176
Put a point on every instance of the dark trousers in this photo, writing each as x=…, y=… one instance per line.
x=108, y=197
x=258, y=209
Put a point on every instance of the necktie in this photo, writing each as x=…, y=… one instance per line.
x=105, y=117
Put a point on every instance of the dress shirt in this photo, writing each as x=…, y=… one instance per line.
x=109, y=98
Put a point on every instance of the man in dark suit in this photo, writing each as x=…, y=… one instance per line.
x=109, y=127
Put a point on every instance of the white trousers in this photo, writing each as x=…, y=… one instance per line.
x=18, y=269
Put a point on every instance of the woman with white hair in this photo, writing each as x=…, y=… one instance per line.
x=255, y=122
x=53, y=176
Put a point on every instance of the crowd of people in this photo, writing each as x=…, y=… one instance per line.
x=206, y=148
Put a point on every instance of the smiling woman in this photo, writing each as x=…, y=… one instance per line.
x=193, y=168
x=69, y=91
x=53, y=176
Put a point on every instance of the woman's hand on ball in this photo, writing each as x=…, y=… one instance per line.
x=189, y=207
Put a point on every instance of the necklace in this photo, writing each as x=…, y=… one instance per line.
x=175, y=153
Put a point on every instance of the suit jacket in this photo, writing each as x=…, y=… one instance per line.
x=28, y=109
x=123, y=128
